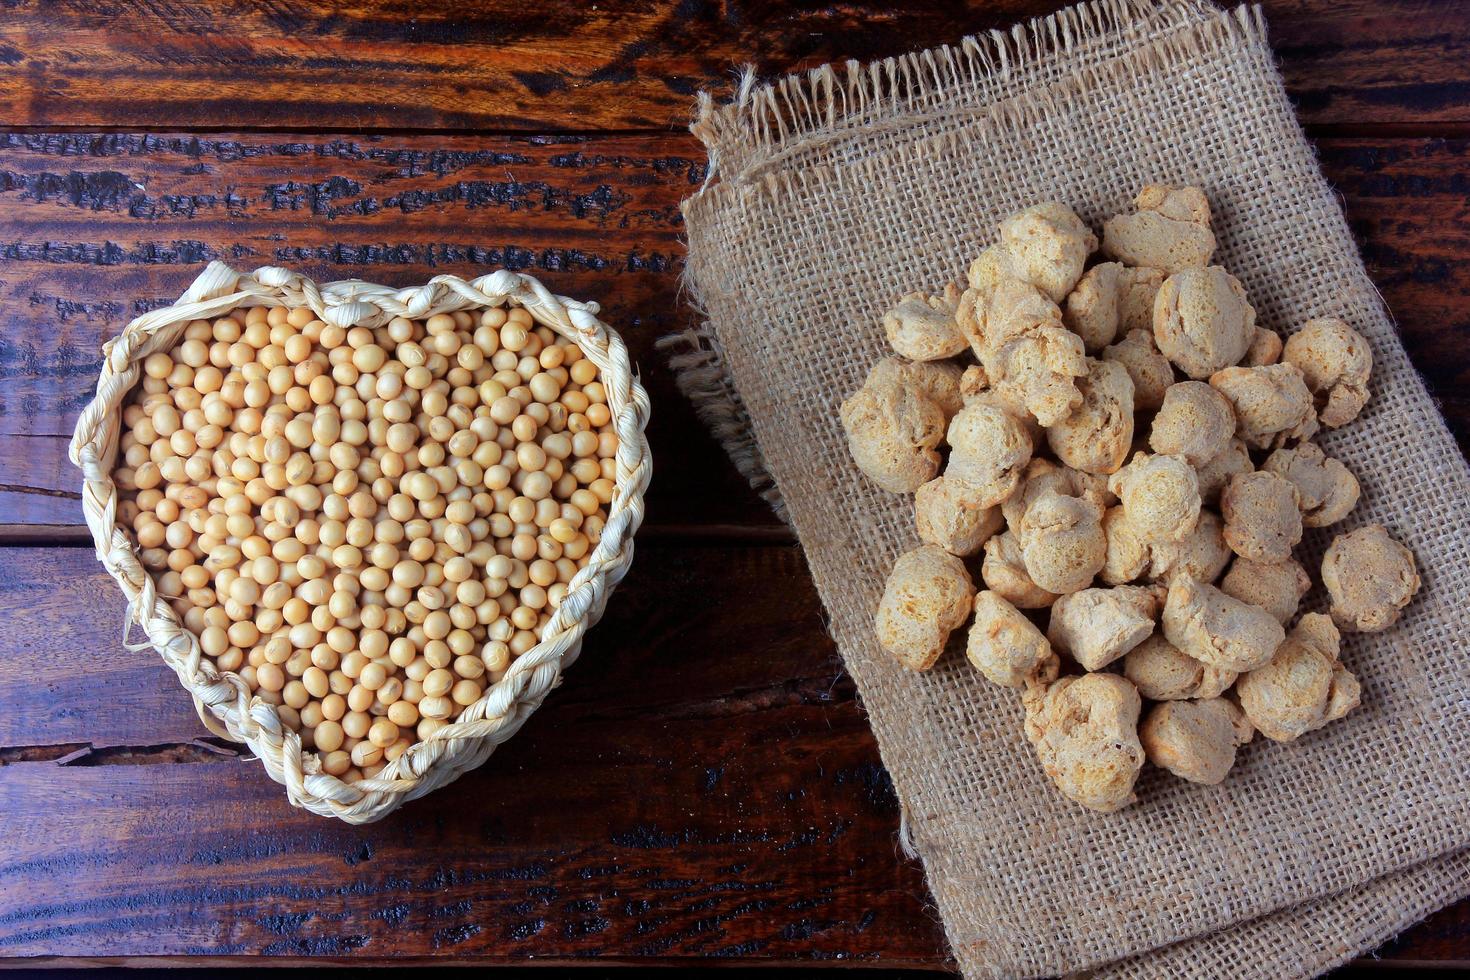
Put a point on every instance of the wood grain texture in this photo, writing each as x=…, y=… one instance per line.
x=706, y=786
x=703, y=787
x=95, y=228
x=761, y=830
x=617, y=64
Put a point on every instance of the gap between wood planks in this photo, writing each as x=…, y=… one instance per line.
x=206, y=748
x=1429, y=129
x=667, y=967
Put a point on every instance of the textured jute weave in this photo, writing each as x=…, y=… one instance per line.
x=833, y=193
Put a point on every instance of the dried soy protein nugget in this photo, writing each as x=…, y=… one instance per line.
x=1094, y=309
x=937, y=381
x=1091, y=309
x=1138, y=287
x=1195, y=422
x=1043, y=369
x=893, y=432
x=1202, y=555
x=1217, y=472
x=1161, y=672
x=1004, y=312
x=1128, y=552
x=1326, y=490
x=948, y=515
x=976, y=389
x=989, y=450
x=1272, y=404
x=1370, y=577
x=1264, y=349
x=1095, y=436
x=1043, y=476
x=1097, y=626
x=1195, y=740
x=1219, y=630
x=1062, y=540
x=923, y=327
x=1048, y=245
x=1005, y=646
x=1017, y=334
x=1085, y=732
x=927, y=596
x=1160, y=495
x=1170, y=230
x=1040, y=476
x=1202, y=321
x=1263, y=521
x=1276, y=587
x=1004, y=572
x=1303, y=687
x=993, y=264
x=1335, y=361
x=1149, y=370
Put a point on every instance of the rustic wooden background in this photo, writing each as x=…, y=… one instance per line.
x=704, y=784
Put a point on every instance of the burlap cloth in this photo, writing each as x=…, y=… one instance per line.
x=833, y=193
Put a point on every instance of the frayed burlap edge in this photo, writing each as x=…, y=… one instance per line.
x=791, y=116
x=1317, y=934
x=701, y=376
x=1312, y=937
x=764, y=127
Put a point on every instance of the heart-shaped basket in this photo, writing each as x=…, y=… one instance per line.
x=223, y=699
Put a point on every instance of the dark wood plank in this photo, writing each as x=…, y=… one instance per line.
x=769, y=838
x=618, y=64
x=64, y=641
x=1348, y=63
x=763, y=829
x=1408, y=203
x=492, y=870
x=95, y=228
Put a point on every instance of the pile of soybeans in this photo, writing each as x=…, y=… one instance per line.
x=366, y=525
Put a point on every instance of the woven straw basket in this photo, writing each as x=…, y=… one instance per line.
x=223, y=700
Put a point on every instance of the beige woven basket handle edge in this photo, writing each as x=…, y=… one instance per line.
x=498, y=714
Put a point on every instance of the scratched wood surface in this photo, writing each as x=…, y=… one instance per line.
x=703, y=784
x=732, y=810
x=97, y=227
x=615, y=64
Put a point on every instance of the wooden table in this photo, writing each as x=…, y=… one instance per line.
x=704, y=784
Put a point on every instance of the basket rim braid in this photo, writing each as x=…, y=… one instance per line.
x=223, y=700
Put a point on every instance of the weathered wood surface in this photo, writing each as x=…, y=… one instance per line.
x=703, y=784
x=95, y=228
x=762, y=829
x=617, y=64
x=706, y=786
